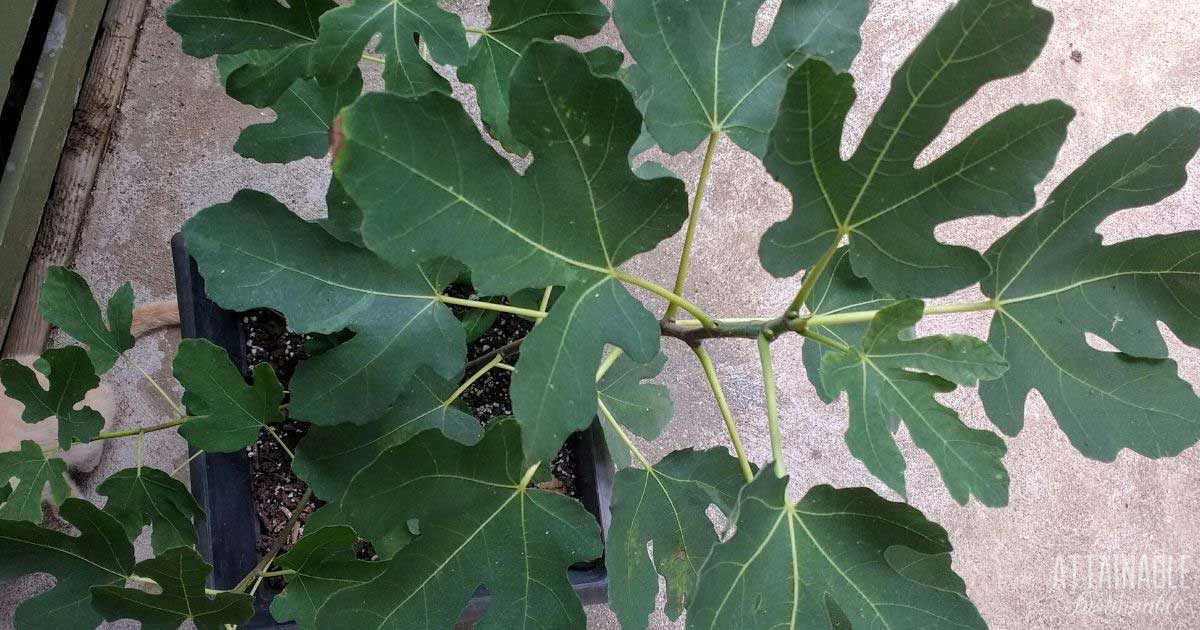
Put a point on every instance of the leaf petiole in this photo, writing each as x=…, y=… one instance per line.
x=478, y=374
x=726, y=414
x=693, y=221
x=858, y=317
x=620, y=431
x=673, y=298
x=161, y=392
x=768, y=370
x=488, y=306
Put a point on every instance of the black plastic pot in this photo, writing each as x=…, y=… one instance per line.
x=221, y=481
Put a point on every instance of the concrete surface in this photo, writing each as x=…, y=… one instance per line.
x=172, y=156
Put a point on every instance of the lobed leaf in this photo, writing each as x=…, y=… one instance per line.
x=667, y=506
x=181, y=573
x=143, y=496
x=346, y=31
x=703, y=74
x=280, y=38
x=1054, y=282
x=304, y=114
x=879, y=199
x=324, y=565
x=329, y=457
x=99, y=556
x=429, y=186
x=843, y=554
x=480, y=526
x=888, y=378
x=516, y=23
x=643, y=408
x=67, y=302
x=33, y=472
x=254, y=253
x=227, y=414
x=70, y=377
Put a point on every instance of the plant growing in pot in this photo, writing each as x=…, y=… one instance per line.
x=420, y=196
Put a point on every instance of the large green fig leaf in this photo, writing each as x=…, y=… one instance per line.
x=643, y=408
x=324, y=564
x=480, y=525
x=346, y=31
x=71, y=377
x=253, y=253
x=282, y=37
x=32, y=471
x=666, y=505
x=67, y=302
x=181, y=573
x=1054, y=282
x=516, y=23
x=143, y=496
x=99, y=556
x=304, y=113
x=227, y=414
x=428, y=186
x=705, y=74
x=879, y=199
x=329, y=457
x=837, y=553
x=838, y=290
x=888, y=378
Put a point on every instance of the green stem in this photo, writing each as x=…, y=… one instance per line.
x=506, y=367
x=768, y=370
x=280, y=539
x=726, y=414
x=810, y=278
x=189, y=461
x=528, y=476
x=673, y=298
x=488, y=306
x=858, y=317
x=620, y=431
x=279, y=440
x=143, y=430
x=282, y=573
x=608, y=362
x=829, y=341
x=693, y=221
x=373, y=59
x=544, y=305
x=161, y=392
x=474, y=377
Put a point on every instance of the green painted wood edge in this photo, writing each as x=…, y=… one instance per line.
x=14, y=23
x=27, y=178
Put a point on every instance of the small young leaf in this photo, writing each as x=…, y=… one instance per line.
x=347, y=30
x=886, y=377
x=1054, y=281
x=836, y=291
x=32, y=471
x=643, y=408
x=147, y=496
x=304, y=115
x=71, y=377
x=228, y=413
x=707, y=76
x=324, y=564
x=516, y=23
x=99, y=556
x=181, y=573
x=879, y=199
x=857, y=557
x=480, y=526
x=67, y=303
x=329, y=457
x=666, y=505
x=254, y=253
x=576, y=214
x=281, y=36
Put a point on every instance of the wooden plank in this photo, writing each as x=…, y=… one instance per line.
x=14, y=23
x=71, y=196
x=27, y=177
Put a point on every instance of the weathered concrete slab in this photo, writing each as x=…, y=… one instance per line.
x=172, y=156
